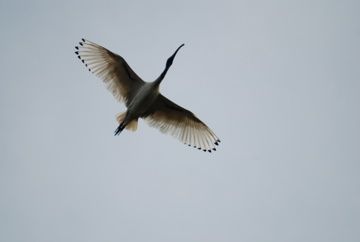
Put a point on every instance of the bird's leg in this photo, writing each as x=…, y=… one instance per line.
x=119, y=129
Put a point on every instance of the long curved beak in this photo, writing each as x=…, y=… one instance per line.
x=171, y=58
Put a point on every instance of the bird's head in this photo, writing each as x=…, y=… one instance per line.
x=168, y=64
x=171, y=58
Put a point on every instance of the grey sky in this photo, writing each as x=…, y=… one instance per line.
x=278, y=82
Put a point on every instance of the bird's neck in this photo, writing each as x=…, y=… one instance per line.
x=162, y=75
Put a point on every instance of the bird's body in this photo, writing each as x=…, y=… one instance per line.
x=143, y=99
x=138, y=105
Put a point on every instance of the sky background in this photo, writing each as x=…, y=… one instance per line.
x=278, y=81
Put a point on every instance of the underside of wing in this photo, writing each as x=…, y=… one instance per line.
x=119, y=78
x=182, y=124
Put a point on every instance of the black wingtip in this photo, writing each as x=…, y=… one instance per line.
x=77, y=47
x=80, y=43
x=77, y=52
x=83, y=39
x=214, y=149
x=216, y=143
x=83, y=61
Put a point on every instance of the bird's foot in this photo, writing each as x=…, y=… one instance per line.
x=119, y=129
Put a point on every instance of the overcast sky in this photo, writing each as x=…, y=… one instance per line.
x=278, y=81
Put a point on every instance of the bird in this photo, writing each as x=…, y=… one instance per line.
x=143, y=99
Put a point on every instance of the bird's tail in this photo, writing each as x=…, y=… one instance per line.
x=132, y=125
x=120, y=117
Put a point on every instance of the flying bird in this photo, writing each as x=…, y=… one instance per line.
x=143, y=99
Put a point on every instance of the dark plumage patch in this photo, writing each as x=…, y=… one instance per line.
x=199, y=148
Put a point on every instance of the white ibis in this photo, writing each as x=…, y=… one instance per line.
x=143, y=99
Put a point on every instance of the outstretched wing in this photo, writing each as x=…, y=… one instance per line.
x=119, y=78
x=182, y=124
